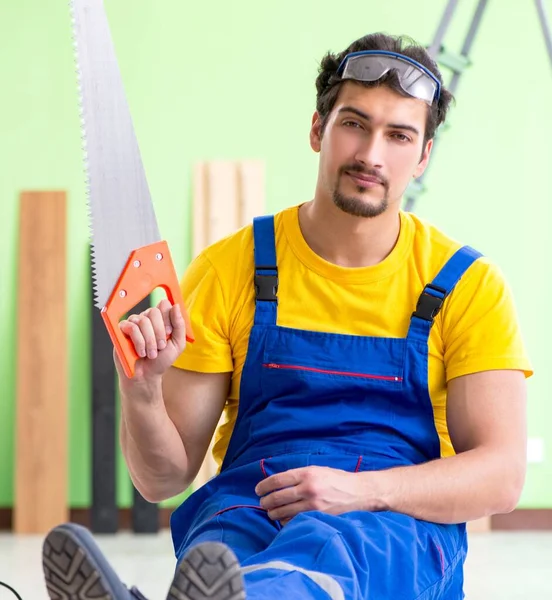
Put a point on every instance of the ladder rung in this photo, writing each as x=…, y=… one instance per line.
x=456, y=62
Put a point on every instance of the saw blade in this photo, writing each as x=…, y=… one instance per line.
x=121, y=213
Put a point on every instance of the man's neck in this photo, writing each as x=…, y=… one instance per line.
x=345, y=240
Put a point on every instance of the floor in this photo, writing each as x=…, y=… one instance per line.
x=501, y=566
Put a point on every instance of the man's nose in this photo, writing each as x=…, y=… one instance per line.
x=370, y=152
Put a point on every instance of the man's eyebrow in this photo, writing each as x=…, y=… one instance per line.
x=367, y=117
x=403, y=126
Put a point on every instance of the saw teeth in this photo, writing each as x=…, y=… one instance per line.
x=82, y=122
x=84, y=146
x=95, y=284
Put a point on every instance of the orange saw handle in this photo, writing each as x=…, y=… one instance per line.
x=147, y=268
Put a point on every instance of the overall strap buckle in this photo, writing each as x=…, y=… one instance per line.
x=429, y=304
x=266, y=286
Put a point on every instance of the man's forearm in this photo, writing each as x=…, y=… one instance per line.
x=152, y=447
x=468, y=486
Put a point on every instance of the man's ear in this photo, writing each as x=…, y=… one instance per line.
x=316, y=132
x=422, y=165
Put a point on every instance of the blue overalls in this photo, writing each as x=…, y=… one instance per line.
x=342, y=401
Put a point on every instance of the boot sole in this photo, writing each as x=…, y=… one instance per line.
x=209, y=571
x=74, y=568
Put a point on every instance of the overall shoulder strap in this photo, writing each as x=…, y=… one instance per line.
x=266, y=270
x=435, y=293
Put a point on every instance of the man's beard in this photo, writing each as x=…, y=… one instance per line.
x=357, y=207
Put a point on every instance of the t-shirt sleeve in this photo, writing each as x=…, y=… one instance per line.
x=203, y=296
x=481, y=330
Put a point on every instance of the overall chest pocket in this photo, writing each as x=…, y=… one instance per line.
x=319, y=365
x=282, y=378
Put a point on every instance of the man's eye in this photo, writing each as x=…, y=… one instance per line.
x=351, y=124
x=401, y=137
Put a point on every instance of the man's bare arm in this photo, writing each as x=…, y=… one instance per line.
x=168, y=415
x=164, y=440
x=486, y=414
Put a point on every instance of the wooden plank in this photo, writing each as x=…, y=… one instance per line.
x=145, y=515
x=104, y=512
x=222, y=200
x=41, y=413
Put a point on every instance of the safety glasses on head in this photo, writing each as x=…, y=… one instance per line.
x=371, y=65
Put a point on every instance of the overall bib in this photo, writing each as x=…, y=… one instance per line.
x=342, y=401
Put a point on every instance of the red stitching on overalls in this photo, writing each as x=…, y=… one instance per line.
x=236, y=506
x=263, y=468
x=328, y=372
x=358, y=463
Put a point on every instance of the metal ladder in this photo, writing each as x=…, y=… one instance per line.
x=458, y=64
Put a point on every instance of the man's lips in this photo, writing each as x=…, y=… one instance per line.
x=363, y=179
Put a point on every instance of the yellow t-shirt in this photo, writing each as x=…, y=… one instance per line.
x=476, y=330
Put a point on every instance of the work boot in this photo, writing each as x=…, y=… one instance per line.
x=75, y=568
x=209, y=571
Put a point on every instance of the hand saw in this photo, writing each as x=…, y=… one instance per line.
x=129, y=258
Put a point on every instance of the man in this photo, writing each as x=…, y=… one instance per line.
x=370, y=368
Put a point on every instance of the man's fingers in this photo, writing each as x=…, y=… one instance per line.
x=132, y=330
x=289, y=510
x=145, y=327
x=178, y=327
x=281, y=498
x=279, y=481
x=165, y=308
x=148, y=330
x=158, y=324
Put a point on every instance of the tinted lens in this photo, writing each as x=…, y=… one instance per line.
x=413, y=80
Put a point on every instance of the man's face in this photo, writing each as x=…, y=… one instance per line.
x=371, y=147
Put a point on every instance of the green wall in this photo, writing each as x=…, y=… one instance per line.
x=236, y=79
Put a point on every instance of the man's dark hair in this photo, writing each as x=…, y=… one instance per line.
x=328, y=83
